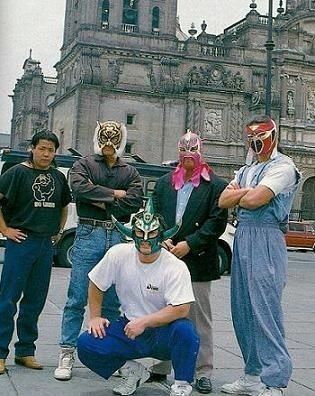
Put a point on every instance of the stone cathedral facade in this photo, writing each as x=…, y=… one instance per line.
x=128, y=60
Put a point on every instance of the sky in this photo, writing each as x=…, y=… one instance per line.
x=38, y=24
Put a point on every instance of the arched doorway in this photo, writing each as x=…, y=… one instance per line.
x=308, y=200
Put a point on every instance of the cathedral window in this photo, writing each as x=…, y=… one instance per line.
x=155, y=20
x=131, y=119
x=312, y=5
x=105, y=14
x=130, y=16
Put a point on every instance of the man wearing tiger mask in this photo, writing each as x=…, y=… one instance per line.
x=103, y=185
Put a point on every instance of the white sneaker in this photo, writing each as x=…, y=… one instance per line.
x=66, y=360
x=245, y=385
x=272, y=392
x=122, y=372
x=137, y=375
x=181, y=390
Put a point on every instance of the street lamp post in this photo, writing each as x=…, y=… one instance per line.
x=269, y=47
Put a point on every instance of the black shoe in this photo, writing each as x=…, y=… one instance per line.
x=203, y=385
x=155, y=377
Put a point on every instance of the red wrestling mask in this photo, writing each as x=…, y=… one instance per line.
x=261, y=137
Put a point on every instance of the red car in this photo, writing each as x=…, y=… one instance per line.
x=301, y=235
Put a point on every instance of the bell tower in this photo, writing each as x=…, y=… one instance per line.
x=140, y=17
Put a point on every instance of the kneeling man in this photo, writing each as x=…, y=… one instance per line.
x=155, y=292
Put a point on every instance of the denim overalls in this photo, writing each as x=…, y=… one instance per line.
x=259, y=271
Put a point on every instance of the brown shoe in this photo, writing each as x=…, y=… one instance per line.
x=2, y=366
x=29, y=362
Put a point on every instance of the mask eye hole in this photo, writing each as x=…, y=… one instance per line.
x=139, y=233
x=182, y=149
x=257, y=146
x=194, y=149
x=153, y=234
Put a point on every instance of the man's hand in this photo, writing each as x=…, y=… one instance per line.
x=56, y=238
x=134, y=328
x=181, y=249
x=233, y=186
x=167, y=244
x=97, y=327
x=119, y=194
x=14, y=234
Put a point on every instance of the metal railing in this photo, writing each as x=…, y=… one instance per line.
x=127, y=28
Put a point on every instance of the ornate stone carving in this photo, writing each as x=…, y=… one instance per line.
x=310, y=105
x=214, y=75
x=90, y=66
x=290, y=103
x=170, y=81
x=213, y=123
x=236, y=123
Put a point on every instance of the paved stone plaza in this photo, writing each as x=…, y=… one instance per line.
x=299, y=309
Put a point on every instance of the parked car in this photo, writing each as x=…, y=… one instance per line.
x=149, y=174
x=301, y=235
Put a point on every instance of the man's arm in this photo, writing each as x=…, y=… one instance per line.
x=132, y=201
x=232, y=195
x=161, y=318
x=84, y=189
x=256, y=197
x=248, y=198
x=11, y=233
x=97, y=324
x=63, y=220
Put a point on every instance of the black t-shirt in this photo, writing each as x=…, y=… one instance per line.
x=33, y=199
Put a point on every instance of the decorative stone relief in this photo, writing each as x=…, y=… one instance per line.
x=290, y=103
x=86, y=70
x=214, y=75
x=310, y=105
x=235, y=133
x=170, y=81
x=213, y=123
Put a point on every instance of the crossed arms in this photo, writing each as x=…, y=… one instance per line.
x=246, y=197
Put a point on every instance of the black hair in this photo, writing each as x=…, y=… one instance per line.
x=45, y=134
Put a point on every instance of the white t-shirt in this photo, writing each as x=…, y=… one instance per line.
x=279, y=178
x=143, y=289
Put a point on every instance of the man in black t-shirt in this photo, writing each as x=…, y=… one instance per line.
x=34, y=197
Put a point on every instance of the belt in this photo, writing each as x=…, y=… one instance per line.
x=107, y=224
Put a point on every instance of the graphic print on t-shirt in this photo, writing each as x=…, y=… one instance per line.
x=43, y=189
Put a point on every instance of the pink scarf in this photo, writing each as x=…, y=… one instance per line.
x=202, y=170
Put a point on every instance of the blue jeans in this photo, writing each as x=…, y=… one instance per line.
x=178, y=342
x=90, y=245
x=26, y=270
